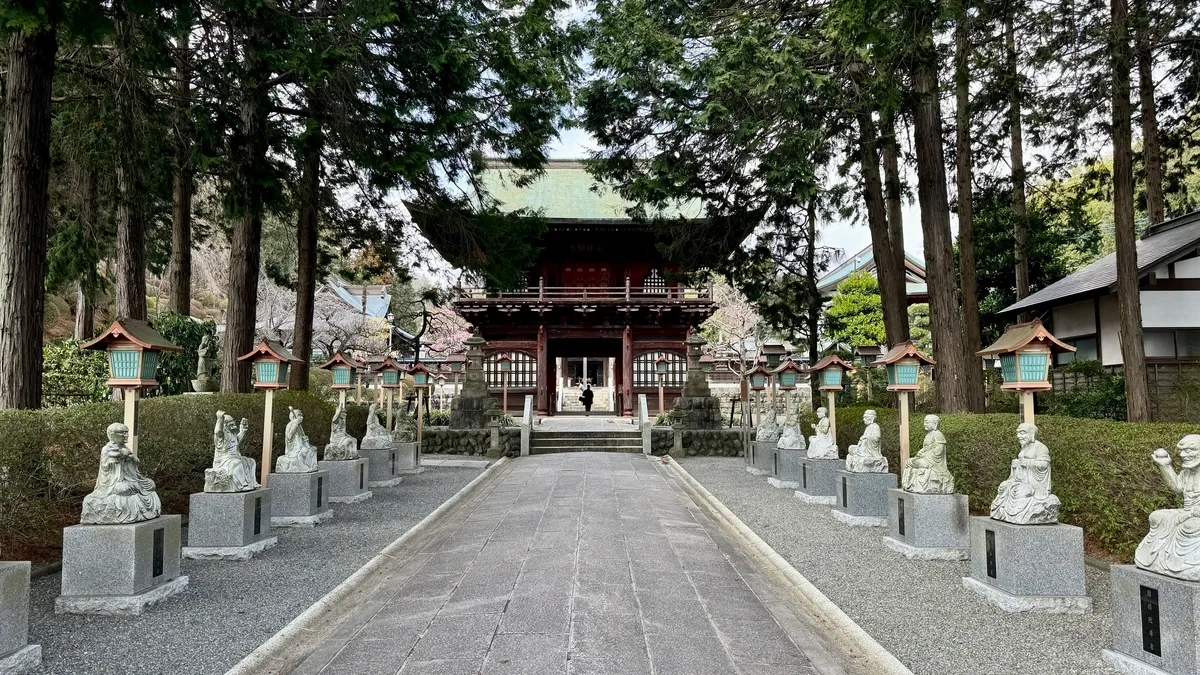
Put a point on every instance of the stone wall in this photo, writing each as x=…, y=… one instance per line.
x=449, y=441
x=714, y=442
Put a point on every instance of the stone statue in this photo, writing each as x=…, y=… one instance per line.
x=867, y=455
x=790, y=438
x=1025, y=498
x=374, y=428
x=230, y=472
x=122, y=494
x=1173, y=545
x=821, y=444
x=299, y=455
x=208, y=378
x=341, y=444
x=768, y=426
x=927, y=473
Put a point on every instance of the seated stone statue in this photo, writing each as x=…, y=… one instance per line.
x=122, y=494
x=1025, y=498
x=927, y=473
x=768, y=425
x=341, y=444
x=230, y=472
x=377, y=435
x=867, y=455
x=791, y=438
x=1173, y=545
x=821, y=444
x=299, y=455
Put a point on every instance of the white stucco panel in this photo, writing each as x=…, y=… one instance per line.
x=1077, y=318
x=1171, y=309
x=1110, y=342
x=1188, y=269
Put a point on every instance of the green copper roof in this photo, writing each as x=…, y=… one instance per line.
x=566, y=191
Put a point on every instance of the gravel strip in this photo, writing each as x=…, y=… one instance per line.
x=919, y=611
x=230, y=608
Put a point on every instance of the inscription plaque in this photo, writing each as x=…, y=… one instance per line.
x=361, y=475
x=990, y=543
x=900, y=515
x=804, y=475
x=258, y=515
x=844, y=503
x=1151, y=635
x=159, y=546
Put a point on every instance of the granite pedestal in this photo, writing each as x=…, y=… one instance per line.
x=408, y=458
x=17, y=656
x=299, y=499
x=1028, y=568
x=928, y=527
x=1156, y=623
x=347, y=479
x=785, y=469
x=119, y=569
x=861, y=499
x=381, y=466
x=762, y=458
x=229, y=525
x=816, y=480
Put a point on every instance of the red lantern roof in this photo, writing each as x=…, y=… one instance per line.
x=138, y=332
x=271, y=349
x=829, y=362
x=903, y=350
x=339, y=358
x=1022, y=335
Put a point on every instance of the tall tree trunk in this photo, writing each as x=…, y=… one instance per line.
x=1017, y=159
x=892, y=289
x=85, y=310
x=964, y=158
x=130, y=248
x=180, y=273
x=1151, y=151
x=307, y=225
x=24, y=200
x=945, y=315
x=1133, y=351
x=84, y=313
x=891, y=193
x=815, y=302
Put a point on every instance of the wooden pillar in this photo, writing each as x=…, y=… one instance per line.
x=131, y=396
x=1027, y=407
x=903, y=430
x=833, y=418
x=627, y=371
x=543, y=373
x=268, y=434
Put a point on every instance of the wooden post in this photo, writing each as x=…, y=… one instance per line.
x=1027, y=407
x=131, y=416
x=903, y=430
x=268, y=433
x=389, y=410
x=420, y=422
x=832, y=417
x=342, y=398
x=660, y=392
x=504, y=395
x=357, y=389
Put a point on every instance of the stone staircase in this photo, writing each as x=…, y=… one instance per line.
x=601, y=402
x=544, y=442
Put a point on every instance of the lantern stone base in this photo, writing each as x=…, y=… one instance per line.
x=381, y=466
x=120, y=569
x=785, y=469
x=299, y=499
x=347, y=479
x=862, y=498
x=408, y=458
x=1028, y=568
x=17, y=656
x=928, y=527
x=762, y=458
x=229, y=525
x=1156, y=623
x=816, y=480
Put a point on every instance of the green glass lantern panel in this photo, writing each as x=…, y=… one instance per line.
x=773, y=360
x=787, y=379
x=1033, y=367
x=283, y=372
x=124, y=363
x=421, y=379
x=758, y=381
x=456, y=366
x=391, y=376
x=266, y=371
x=831, y=377
x=1008, y=367
x=906, y=373
x=341, y=375
x=149, y=364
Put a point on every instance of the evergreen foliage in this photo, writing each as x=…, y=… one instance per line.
x=855, y=315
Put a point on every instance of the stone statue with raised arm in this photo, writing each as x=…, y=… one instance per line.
x=790, y=438
x=208, y=378
x=821, y=444
x=341, y=444
x=867, y=455
x=1173, y=545
x=122, y=493
x=230, y=472
x=299, y=455
x=1025, y=498
x=927, y=473
x=768, y=426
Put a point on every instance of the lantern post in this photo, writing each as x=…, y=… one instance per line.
x=422, y=378
x=360, y=370
x=342, y=370
x=441, y=387
x=391, y=378
x=133, y=347
x=660, y=367
x=831, y=370
x=1025, y=351
x=271, y=361
x=903, y=362
x=505, y=364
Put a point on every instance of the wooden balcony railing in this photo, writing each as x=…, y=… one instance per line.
x=591, y=294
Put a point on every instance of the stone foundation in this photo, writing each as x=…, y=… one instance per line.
x=785, y=468
x=347, y=479
x=452, y=441
x=862, y=498
x=229, y=525
x=299, y=499
x=381, y=467
x=16, y=654
x=816, y=480
x=408, y=457
x=928, y=527
x=1028, y=568
x=120, y=569
x=1156, y=623
x=762, y=458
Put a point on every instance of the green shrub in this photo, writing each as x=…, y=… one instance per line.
x=49, y=457
x=71, y=375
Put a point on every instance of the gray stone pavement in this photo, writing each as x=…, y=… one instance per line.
x=580, y=563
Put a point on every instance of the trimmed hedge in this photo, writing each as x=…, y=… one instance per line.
x=49, y=458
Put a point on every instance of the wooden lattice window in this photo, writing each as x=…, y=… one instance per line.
x=653, y=283
x=523, y=373
x=645, y=372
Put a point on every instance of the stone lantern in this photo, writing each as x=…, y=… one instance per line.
x=343, y=371
x=271, y=362
x=133, y=347
x=758, y=377
x=787, y=374
x=903, y=362
x=1025, y=351
x=830, y=373
x=391, y=378
x=773, y=350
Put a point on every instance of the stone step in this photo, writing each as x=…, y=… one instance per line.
x=599, y=433
x=585, y=442
x=547, y=449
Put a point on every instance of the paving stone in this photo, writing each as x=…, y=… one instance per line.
x=443, y=667
x=527, y=655
x=457, y=637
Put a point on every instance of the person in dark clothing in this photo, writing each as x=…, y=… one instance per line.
x=586, y=398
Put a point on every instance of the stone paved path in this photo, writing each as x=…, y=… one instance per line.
x=580, y=563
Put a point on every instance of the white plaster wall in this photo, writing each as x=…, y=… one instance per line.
x=1188, y=269
x=1171, y=309
x=1110, y=342
x=1077, y=318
